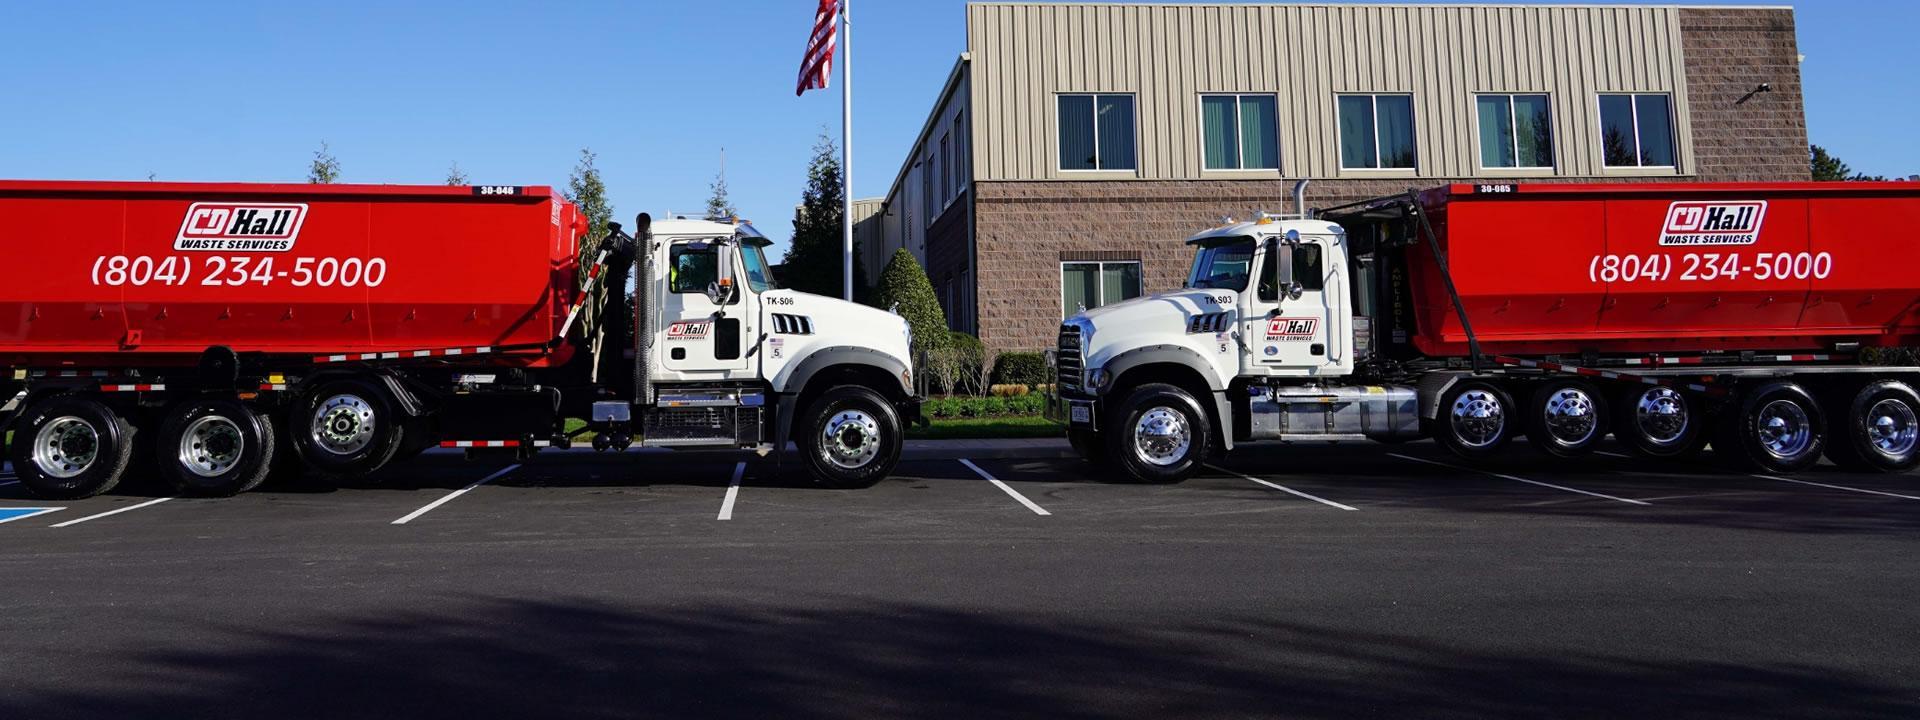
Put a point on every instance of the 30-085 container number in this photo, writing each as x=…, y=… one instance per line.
x=1654, y=267
x=219, y=271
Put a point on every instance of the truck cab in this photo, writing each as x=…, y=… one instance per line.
x=723, y=357
x=1261, y=342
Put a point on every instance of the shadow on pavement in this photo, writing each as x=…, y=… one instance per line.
x=595, y=660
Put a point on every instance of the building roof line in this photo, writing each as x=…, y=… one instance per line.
x=926, y=129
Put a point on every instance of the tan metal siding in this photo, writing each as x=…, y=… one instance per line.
x=1024, y=54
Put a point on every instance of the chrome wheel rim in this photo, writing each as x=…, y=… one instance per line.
x=1661, y=416
x=1478, y=419
x=1571, y=418
x=1784, y=430
x=66, y=447
x=1892, y=427
x=343, y=425
x=851, y=439
x=1162, y=437
x=211, y=446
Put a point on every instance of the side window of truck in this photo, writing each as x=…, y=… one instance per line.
x=1307, y=268
x=1307, y=271
x=691, y=269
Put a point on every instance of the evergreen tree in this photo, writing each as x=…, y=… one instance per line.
x=905, y=288
x=585, y=190
x=325, y=169
x=1827, y=168
x=718, y=204
x=813, y=261
x=456, y=176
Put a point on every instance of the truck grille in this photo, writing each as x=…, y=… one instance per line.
x=1067, y=358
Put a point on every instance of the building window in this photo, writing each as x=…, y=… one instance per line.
x=1376, y=132
x=1093, y=284
x=1096, y=132
x=1240, y=132
x=946, y=165
x=1637, y=130
x=962, y=162
x=929, y=212
x=1516, y=131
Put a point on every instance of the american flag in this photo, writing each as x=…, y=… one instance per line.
x=818, y=63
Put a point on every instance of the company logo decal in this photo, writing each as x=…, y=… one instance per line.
x=241, y=227
x=1291, y=329
x=689, y=330
x=1714, y=223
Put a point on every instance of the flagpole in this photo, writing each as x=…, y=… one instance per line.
x=846, y=150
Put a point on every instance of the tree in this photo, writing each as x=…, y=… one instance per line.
x=586, y=191
x=813, y=261
x=904, y=288
x=718, y=204
x=456, y=176
x=326, y=168
x=1827, y=168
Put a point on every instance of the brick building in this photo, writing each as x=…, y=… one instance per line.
x=1073, y=147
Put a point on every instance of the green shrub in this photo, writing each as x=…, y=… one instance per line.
x=1020, y=368
x=970, y=406
x=903, y=285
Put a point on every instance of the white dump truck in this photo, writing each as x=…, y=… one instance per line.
x=1667, y=315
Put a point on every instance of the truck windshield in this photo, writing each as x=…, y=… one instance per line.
x=759, y=275
x=1223, y=266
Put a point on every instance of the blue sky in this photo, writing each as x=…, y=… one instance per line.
x=512, y=90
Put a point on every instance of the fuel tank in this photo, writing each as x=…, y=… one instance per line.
x=1669, y=267
x=134, y=273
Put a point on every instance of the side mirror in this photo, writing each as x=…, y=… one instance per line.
x=1282, y=264
x=721, y=290
x=1282, y=253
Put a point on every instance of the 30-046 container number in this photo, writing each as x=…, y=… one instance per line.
x=226, y=271
x=1655, y=267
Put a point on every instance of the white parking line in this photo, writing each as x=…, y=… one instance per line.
x=1838, y=487
x=457, y=493
x=37, y=512
x=1037, y=510
x=1520, y=479
x=733, y=491
x=1283, y=488
x=129, y=508
x=1613, y=454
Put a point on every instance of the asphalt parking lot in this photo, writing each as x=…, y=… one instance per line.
x=1319, y=582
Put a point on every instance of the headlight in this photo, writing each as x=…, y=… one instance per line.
x=1097, y=378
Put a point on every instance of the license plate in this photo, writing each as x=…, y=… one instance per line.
x=1080, y=413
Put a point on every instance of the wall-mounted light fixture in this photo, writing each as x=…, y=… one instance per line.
x=1764, y=88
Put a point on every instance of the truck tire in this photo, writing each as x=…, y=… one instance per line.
x=1778, y=428
x=1086, y=443
x=1476, y=419
x=344, y=430
x=1566, y=418
x=851, y=437
x=1659, y=423
x=1160, y=434
x=215, y=448
x=1880, y=431
x=70, y=446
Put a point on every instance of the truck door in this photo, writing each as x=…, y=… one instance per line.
x=698, y=335
x=1290, y=333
